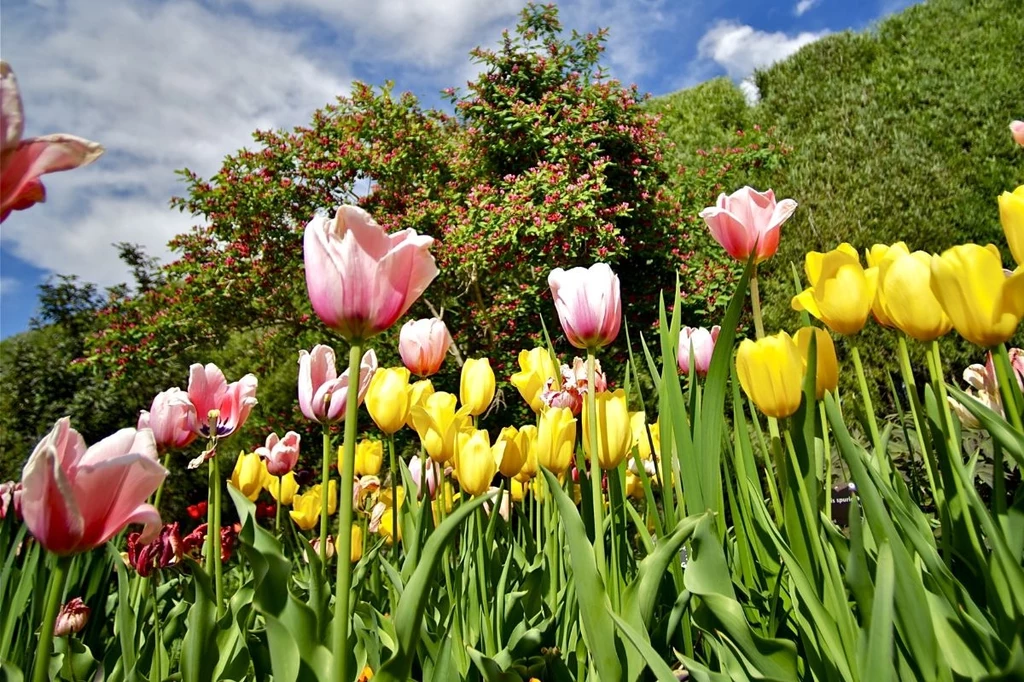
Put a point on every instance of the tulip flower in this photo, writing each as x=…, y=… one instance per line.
x=280, y=455
x=170, y=417
x=634, y=486
x=72, y=618
x=578, y=375
x=477, y=461
x=982, y=379
x=288, y=487
x=984, y=305
x=517, y=489
x=249, y=475
x=387, y=399
x=512, y=461
x=423, y=345
x=745, y=218
x=329, y=549
x=322, y=393
x=614, y=435
x=826, y=372
x=906, y=298
x=702, y=343
x=10, y=499
x=356, y=551
x=306, y=507
x=556, y=438
x=526, y=443
x=24, y=161
x=536, y=370
x=476, y=387
x=1017, y=131
x=880, y=257
x=418, y=394
x=771, y=373
x=588, y=303
x=437, y=423
x=433, y=475
x=361, y=279
x=75, y=498
x=841, y=291
x=1011, y=215
x=228, y=405
x=385, y=525
x=369, y=457
x=504, y=503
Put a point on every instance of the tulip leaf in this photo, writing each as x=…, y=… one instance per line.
x=660, y=669
x=1000, y=430
x=876, y=663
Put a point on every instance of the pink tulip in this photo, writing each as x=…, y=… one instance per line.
x=280, y=454
x=72, y=618
x=1017, y=130
x=74, y=499
x=22, y=162
x=588, y=303
x=322, y=393
x=423, y=345
x=703, y=343
x=504, y=505
x=228, y=404
x=10, y=499
x=361, y=279
x=170, y=416
x=579, y=376
x=433, y=474
x=745, y=218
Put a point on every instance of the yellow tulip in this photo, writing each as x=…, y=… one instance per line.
x=418, y=394
x=477, y=461
x=306, y=510
x=526, y=442
x=539, y=488
x=1011, y=214
x=556, y=437
x=512, y=461
x=634, y=486
x=614, y=435
x=387, y=525
x=476, y=388
x=332, y=498
x=826, y=372
x=369, y=457
x=841, y=291
x=387, y=499
x=249, y=474
x=904, y=285
x=537, y=367
x=438, y=422
x=288, y=487
x=983, y=303
x=518, y=490
x=357, y=543
x=770, y=372
x=880, y=257
x=388, y=397
x=638, y=425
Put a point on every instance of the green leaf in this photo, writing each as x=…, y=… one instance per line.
x=876, y=659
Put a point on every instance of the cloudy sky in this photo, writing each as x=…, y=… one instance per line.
x=168, y=84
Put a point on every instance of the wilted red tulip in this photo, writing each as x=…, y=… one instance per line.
x=22, y=162
x=746, y=217
x=229, y=404
x=72, y=618
x=163, y=552
x=361, y=279
x=703, y=343
x=74, y=499
x=170, y=417
x=280, y=454
x=589, y=304
x=265, y=510
x=322, y=393
x=423, y=345
x=1017, y=130
x=197, y=510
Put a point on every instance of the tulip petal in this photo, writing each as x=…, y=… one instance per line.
x=110, y=492
x=12, y=114
x=48, y=504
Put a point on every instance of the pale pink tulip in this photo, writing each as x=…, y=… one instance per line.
x=170, y=416
x=703, y=343
x=10, y=499
x=745, y=218
x=322, y=393
x=504, y=505
x=280, y=454
x=72, y=618
x=423, y=345
x=433, y=475
x=588, y=303
x=22, y=162
x=361, y=279
x=229, y=404
x=1017, y=130
x=74, y=498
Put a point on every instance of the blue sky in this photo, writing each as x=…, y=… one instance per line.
x=165, y=85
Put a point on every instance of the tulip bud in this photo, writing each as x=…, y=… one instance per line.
x=556, y=437
x=512, y=461
x=841, y=292
x=280, y=455
x=387, y=399
x=282, y=488
x=1011, y=215
x=748, y=219
x=537, y=369
x=614, y=435
x=418, y=394
x=437, y=423
x=369, y=457
x=356, y=551
x=826, y=373
x=423, y=345
x=329, y=552
x=476, y=461
x=771, y=371
x=170, y=417
x=701, y=343
x=249, y=475
x=476, y=389
x=72, y=618
x=526, y=443
x=588, y=303
x=905, y=293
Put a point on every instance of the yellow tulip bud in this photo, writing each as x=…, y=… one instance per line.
x=418, y=394
x=249, y=474
x=771, y=372
x=539, y=488
x=982, y=303
x=826, y=372
x=288, y=487
x=388, y=398
x=476, y=461
x=518, y=490
x=841, y=291
x=536, y=368
x=305, y=510
x=904, y=285
x=526, y=441
x=387, y=526
x=634, y=486
x=879, y=257
x=513, y=460
x=357, y=543
x=1011, y=214
x=556, y=438
x=476, y=389
x=614, y=435
x=438, y=422
x=369, y=457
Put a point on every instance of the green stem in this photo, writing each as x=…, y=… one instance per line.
x=482, y=561
x=218, y=564
x=597, y=496
x=755, y=302
x=277, y=508
x=156, y=631
x=396, y=508
x=41, y=671
x=160, y=490
x=827, y=453
x=869, y=411
x=342, y=610
x=325, y=490
x=1004, y=375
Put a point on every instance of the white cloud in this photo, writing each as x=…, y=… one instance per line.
x=804, y=6
x=740, y=49
x=161, y=86
x=8, y=286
